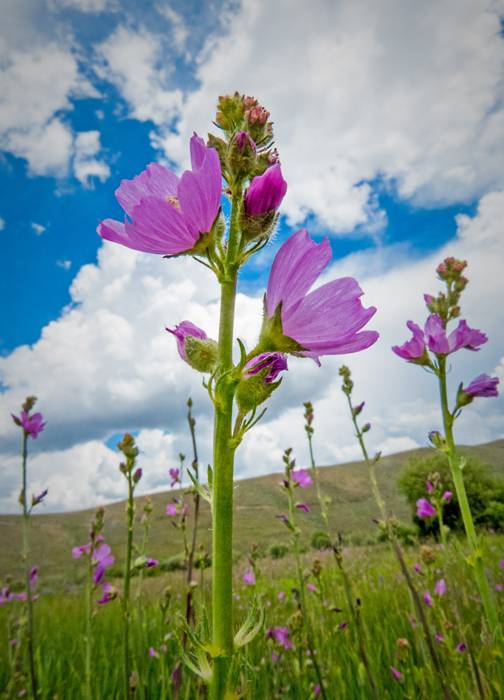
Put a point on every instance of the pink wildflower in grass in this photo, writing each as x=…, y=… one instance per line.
x=483, y=386
x=39, y=499
x=180, y=332
x=152, y=652
x=317, y=691
x=33, y=575
x=109, y=593
x=102, y=558
x=325, y=321
x=440, y=588
x=498, y=587
x=275, y=658
x=310, y=587
x=461, y=337
x=31, y=424
x=249, y=578
x=417, y=568
x=430, y=487
x=266, y=192
x=151, y=562
x=461, y=647
x=184, y=509
x=303, y=506
x=439, y=637
x=424, y=508
x=342, y=625
x=302, y=478
x=276, y=361
x=168, y=213
x=282, y=594
x=174, y=475
x=501, y=564
x=396, y=673
x=282, y=636
x=171, y=509
x=428, y=599
x=446, y=496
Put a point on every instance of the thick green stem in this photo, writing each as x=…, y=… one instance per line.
x=127, y=580
x=458, y=480
x=223, y=463
x=26, y=551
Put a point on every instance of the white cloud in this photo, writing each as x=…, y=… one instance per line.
x=84, y=5
x=107, y=365
x=85, y=165
x=38, y=228
x=2, y=224
x=65, y=264
x=411, y=94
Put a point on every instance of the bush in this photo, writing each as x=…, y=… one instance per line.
x=406, y=534
x=321, y=540
x=278, y=550
x=483, y=490
x=175, y=563
x=205, y=561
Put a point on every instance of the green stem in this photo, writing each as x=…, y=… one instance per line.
x=474, y=546
x=223, y=463
x=127, y=579
x=439, y=511
x=89, y=594
x=26, y=551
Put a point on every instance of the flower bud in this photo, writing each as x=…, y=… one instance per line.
x=438, y=441
x=137, y=476
x=257, y=383
x=366, y=428
x=195, y=348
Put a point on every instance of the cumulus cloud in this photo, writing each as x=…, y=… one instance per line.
x=84, y=5
x=85, y=165
x=107, y=365
x=2, y=224
x=38, y=228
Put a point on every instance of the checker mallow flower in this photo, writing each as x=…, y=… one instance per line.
x=325, y=321
x=483, y=386
x=195, y=347
x=169, y=215
x=32, y=425
x=424, y=508
x=435, y=338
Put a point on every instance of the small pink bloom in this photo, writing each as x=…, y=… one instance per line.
x=483, y=385
x=180, y=332
x=78, y=551
x=498, y=587
x=414, y=348
x=171, y=509
x=439, y=638
x=266, y=192
x=275, y=361
x=446, y=495
x=282, y=594
x=461, y=337
x=396, y=673
x=303, y=506
x=430, y=486
x=302, y=478
x=152, y=652
x=424, y=508
x=440, y=588
x=31, y=424
x=310, y=587
x=174, y=473
x=428, y=599
x=461, y=647
x=249, y=578
x=417, y=568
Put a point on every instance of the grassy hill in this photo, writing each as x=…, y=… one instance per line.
x=257, y=501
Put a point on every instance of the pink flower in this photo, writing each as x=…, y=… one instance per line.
x=424, y=508
x=180, y=332
x=249, y=578
x=241, y=141
x=414, y=348
x=38, y=499
x=428, y=599
x=171, y=509
x=282, y=595
x=310, y=587
x=282, y=635
x=396, y=673
x=184, y=509
x=417, y=568
x=439, y=637
x=498, y=587
x=33, y=575
x=461, y=337
x=151, y=562
x=303, y=506
x=276, y=361
x=483, y=385
x=446, y=495
x=152, y=652
x=31, y=424
x=168, y=213
x=440, y=588
x=302, y=478
x=102, y=558
x=325, y=321
x=430, y=487
x=109, y=593
x=265, y=192
x=79, y=551
x=174, y=473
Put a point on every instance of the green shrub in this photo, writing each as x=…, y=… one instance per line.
x=321, y=540
x=278, y=550
x=482, y=488
x=175, y=563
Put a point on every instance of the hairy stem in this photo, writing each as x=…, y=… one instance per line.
x=127, y=580
x=26, y=551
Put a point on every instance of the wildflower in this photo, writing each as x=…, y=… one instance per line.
x=357, y=409
x=342, y=625
x=281, y=595
x=109, y=593
x=275, y=361
x=241, y=141
x=483, y=385
x=413, y=350
x=324, y=322
x=428, y=599
x=282, y=636
x=265, y=192
x=275, y=657
x=498, y=587
x=461, y=337
x=170, y=215
x=424, y=508
x=102, y=558
x=249, y=578
x=446, y=496
x=396, y=673
x=430, y=487
x=439, y=638
x=32, y=425
x=152, y=652
x=79, y=551
x=461, y=647
x=151, y=562
x=311, y=587
x=174, y=475
x=417, y=568
x=33, y=575
x=302, y=478
x=38, y=499
x=194, y=346
x=440, y=588
x=171, y=509
x=303, y=506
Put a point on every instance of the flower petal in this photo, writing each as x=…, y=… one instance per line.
x=157, y=181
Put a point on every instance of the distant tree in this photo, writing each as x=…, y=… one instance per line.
x=321, y=540
x=485, y=492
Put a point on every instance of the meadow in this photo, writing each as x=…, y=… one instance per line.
x=270, y=666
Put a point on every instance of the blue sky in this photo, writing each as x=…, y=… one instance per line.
x=389, y=122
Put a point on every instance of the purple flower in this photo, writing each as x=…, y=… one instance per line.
x=461, y=337
x=33, y=575
x=461, y=647
x=396, y=673
x=168, y=213
x=302, y=478
x=317, y=690
x=241, y=141
x=174, y=473
x=180, y=332
x=428, y=599
x=103, y=558
x=483, y=385
x=265, y=192
x=417, y=568
x=109, y=593
x=303, y=506
x=342, y=625
x=282, y=635
x=38, y=499
x=31, y=424
x=310, y=587
x=327, y=320
x=439, y=638
x=430, y=486
x=446, y=496
x=440, y=588
x=152, y=652
x=281, y=595
x=249, y=578
x=151, y=562
x=424, y=508
x=79, y=551
x=171, y=509
x=286, y=519
x=184, y=509
x=414, y=348
x=275, y=658
x=276, y=361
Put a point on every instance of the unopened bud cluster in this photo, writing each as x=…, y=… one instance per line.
x=347, y=382
x=446, y=304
